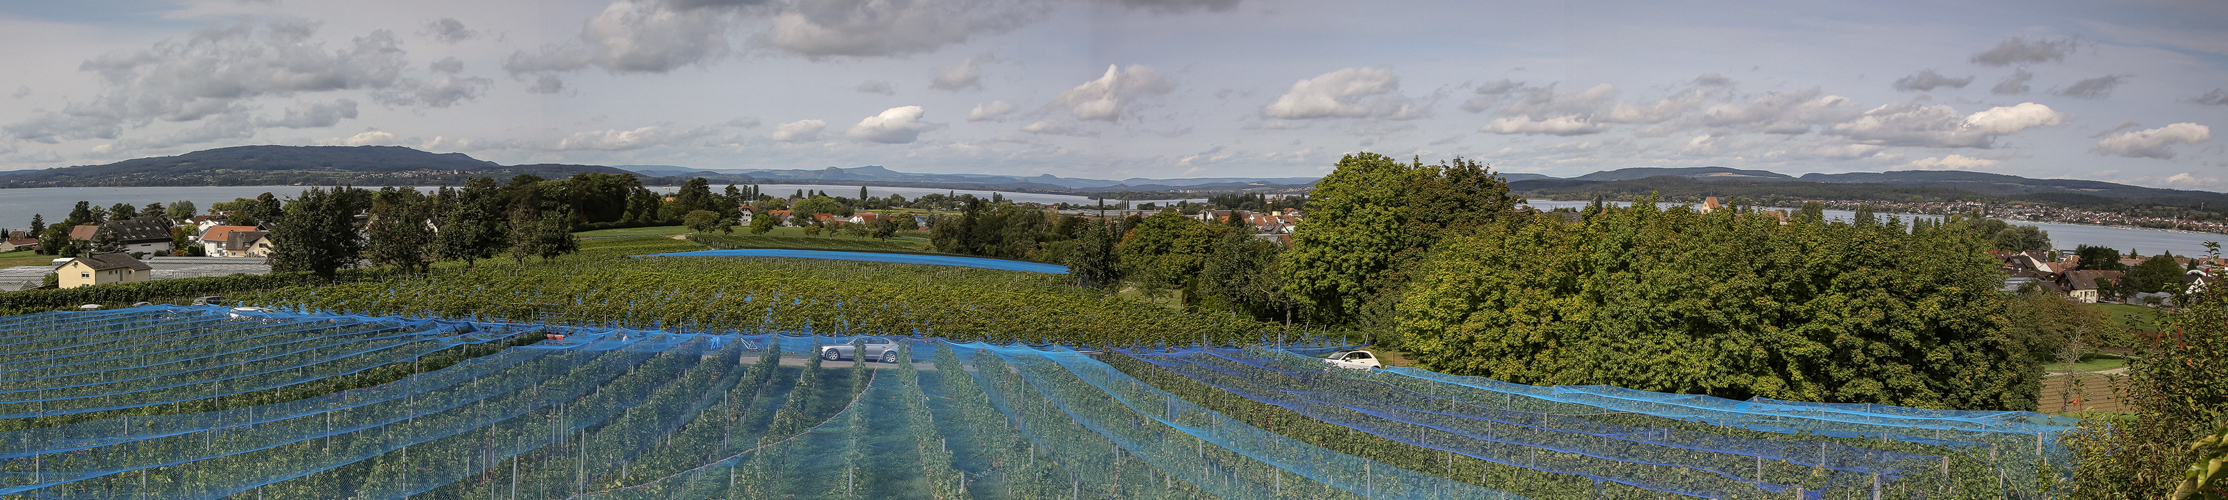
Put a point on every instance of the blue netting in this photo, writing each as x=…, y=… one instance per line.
x=618, y=413
x=900, y=258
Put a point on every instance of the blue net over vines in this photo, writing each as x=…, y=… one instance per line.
x=210, y=402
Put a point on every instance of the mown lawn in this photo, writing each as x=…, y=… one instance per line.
x=2137, y=317
x=12, y=259
x=632, y=231
x=790, y=237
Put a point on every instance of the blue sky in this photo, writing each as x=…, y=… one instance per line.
x=2120, y=91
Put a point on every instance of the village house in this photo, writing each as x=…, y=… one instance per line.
x=1710, y=204
x=148, y=235
x=246, y=244
x=102, y=269
x=213, y=238
x=2085, y=286
x=204, y=222
x=19, y=244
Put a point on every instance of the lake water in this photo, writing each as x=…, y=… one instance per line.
x=17, y=205
x=2062, y=236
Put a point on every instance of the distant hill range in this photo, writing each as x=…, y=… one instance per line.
x=880, y=176
x=395, y=166
x=1897, y=186
x=290, y=165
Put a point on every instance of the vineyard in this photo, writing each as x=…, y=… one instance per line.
x=207, y=402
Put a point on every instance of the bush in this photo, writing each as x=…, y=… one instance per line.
x=2174, y=382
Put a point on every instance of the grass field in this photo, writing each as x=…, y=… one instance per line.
x=2095, y=361
x=632, y=231
x=12, y=259
x=2137, y=317
x=790, y=237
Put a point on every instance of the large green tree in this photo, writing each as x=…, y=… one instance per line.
x=398, y=230
x=2158, y=274
x=1730, y=304
x=318, y=233
x=2022, y=238
x=1373, y=219
x=2099, y=258
x=1167, y=250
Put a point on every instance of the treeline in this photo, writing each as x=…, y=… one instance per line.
x=1731, y=304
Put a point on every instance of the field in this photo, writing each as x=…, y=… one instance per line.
x=2135, y=317
x=602, y=376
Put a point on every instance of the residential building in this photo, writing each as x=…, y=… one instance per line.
x=213, y=238
x=142, y=235
x=1710, y=204
x=247, y=244
x=102, y=269
x=2086, y=286
x=18, y=244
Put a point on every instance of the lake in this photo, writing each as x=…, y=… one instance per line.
x=2062, y=236
x=17, y=205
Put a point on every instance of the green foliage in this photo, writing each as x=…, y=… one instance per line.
x=118, y=294
x=1167, y=250
x=2204, y=480
x=2158, y=274
x=1241, y=275
x=703, y=221
x=602, y=287
x=2174, y=386
x=2022, y=239
x=1728, y=304
x=2099, y=258
x=397, y=233
x=1095, y=259
x=318, y=233
x=1372, y=220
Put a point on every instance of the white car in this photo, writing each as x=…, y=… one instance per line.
x=1358, y=360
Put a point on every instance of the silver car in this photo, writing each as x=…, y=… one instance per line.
x=876, y=349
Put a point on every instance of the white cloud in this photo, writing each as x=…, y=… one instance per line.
x=1105, y=99
x=966, y=74
x=990, y=111
x=632, y=37
x=1929, y=80
x=614, y=140
x=1176, y=6
x=2153, y=143
x=372, y=138
x=1787, y=113
x=1952, y=162
x=799, y=131
x=1561, y=125
x=440, y=92
x=1346, y=93
x=1941, y=126
x=829, y=28
x=1049, y=127
x=897, y=125
x=216, y=72
x=2019, y=51
x=308, y=114
x=876, y=87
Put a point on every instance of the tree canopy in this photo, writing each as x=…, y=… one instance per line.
x=1729, y=304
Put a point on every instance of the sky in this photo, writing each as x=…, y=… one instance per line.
x=2127, y=92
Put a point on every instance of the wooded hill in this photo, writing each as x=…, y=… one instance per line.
x=288, y=165
x=1898, y=186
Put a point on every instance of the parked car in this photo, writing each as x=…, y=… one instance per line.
x=1358, y=360
x=876, y=349
x=212, y=300
x=89, y=307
